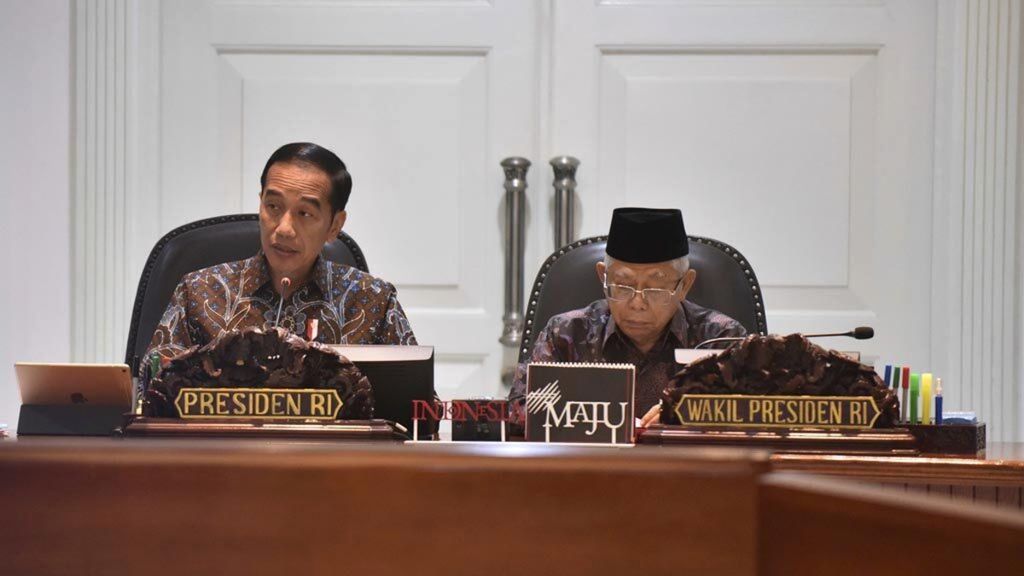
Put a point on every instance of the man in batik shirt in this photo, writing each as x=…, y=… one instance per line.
x=644, y=316
x=304, y=189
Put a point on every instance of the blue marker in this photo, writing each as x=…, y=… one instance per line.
x=888, y=375
x=938, y=401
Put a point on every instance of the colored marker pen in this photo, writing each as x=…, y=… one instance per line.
x=905, y=383
x=888, y=376
x=926, y=398
x=938, y=401
x=915, y=391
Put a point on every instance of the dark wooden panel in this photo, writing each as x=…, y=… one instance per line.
x=917, y=488
x=961, y=492
x=811, y=526
x=1002, y=465
x=236, y=507
x=250, y=507
x=1010, y=497
x=987, y=494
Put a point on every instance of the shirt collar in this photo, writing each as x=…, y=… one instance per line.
x=678, y=327
x=256, y=274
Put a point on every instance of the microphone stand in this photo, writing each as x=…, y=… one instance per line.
x=859, y=333
x=285, y=283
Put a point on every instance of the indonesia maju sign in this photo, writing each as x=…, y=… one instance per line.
x=583, y=403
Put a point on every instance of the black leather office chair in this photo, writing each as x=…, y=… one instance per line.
x=567, y=280
x=199, y=245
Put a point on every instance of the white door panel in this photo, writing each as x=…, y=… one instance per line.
x=421, y=100
x=796, y=131
x=823, y=138
x=783, y=128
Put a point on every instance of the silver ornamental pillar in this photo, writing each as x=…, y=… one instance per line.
x=515, y=193
x=565, y=199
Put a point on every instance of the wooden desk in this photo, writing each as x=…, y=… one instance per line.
x=997, y=477
x=150, y=506
x=809, y=526
x=253, y=507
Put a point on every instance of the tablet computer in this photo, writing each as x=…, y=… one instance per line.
x=96, y=384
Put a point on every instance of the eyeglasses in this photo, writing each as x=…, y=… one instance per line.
x=653, y=296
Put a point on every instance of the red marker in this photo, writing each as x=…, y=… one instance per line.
x=906, y=391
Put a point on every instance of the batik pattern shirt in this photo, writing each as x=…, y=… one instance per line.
x=351, y=306
x=590, y=335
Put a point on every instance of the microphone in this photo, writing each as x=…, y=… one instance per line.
x=285, y=283
x=858, y=333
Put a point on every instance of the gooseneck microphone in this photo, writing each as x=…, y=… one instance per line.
x=285, y=283
x=858, y=333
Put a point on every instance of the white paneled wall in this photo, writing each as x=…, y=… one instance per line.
x=800, y=132
x=115, y=217
x=421, y=99
x=976, y=291
x=122, y=203
x=100, y=197
x=35, y=107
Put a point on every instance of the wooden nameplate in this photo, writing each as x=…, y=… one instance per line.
x=883, y=441
x=143, y=426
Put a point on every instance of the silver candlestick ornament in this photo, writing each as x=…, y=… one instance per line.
x=515, y=197
x=565, y=199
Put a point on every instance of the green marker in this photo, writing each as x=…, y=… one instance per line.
x=897, y=370
x=915, y=391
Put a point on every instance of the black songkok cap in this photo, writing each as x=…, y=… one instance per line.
x=647, y=235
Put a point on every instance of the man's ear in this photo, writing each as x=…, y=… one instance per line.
x=688, y=280
x=337, y=223
x=600, y=271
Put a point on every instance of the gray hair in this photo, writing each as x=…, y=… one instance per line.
x=680, y=265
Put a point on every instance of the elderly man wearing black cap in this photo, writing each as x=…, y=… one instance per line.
x=644, y=316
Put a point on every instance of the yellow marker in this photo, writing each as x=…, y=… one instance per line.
x=926, y=399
